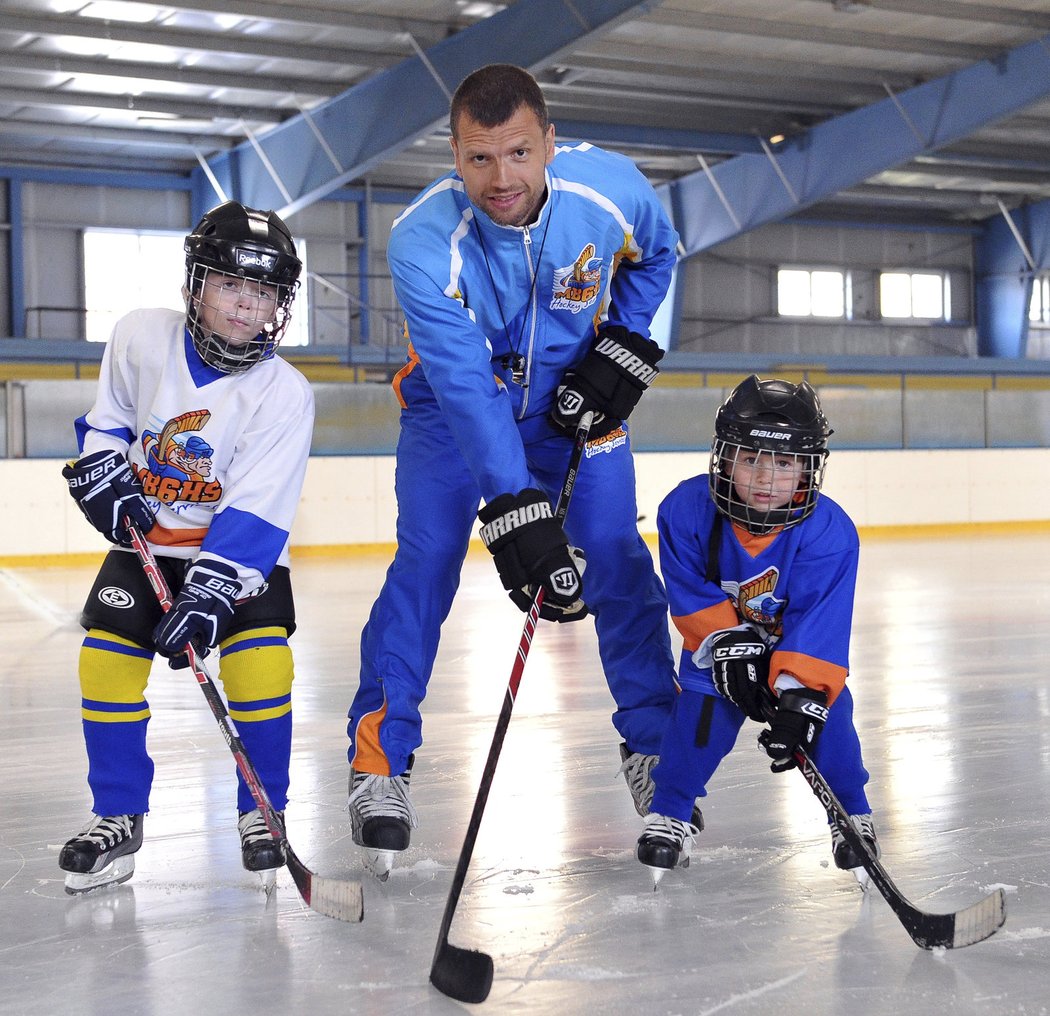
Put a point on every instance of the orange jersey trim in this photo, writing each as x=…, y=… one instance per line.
x=163, y=537
x=752, y=543
x=813, y=673
x=694, y=628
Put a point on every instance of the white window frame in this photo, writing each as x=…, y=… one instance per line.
x=806, y=280
x=917, y=278
x=125, y=269
x=1039, y=305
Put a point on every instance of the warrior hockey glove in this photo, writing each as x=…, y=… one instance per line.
x=108, y=492
x=531, y=549
x=608, y=381
x=200, y=613
x=740, y=669
x=797, y=723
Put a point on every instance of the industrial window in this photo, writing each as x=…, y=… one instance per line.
x=125, y=269
x=923, y=295
x=1039, y=308
x=818, y=292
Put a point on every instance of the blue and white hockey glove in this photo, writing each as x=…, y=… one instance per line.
x=799, y=719
x=531, y=549
x=108, y=492
x=200, y=613
x=608, y=381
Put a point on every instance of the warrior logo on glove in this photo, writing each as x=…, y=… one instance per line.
x=566, y=581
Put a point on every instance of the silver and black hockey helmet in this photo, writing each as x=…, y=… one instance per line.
x=252, y=245
x=785, y=421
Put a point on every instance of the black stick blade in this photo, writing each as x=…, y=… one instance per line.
x=462, y=974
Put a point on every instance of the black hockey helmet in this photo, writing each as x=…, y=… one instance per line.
x=783, y=421
x=249, y=244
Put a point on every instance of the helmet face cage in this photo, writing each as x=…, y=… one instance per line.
x=739, y=495
x=235, y=244
x=768, y=454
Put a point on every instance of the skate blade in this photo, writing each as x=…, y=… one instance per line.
x=657, y=875
x=117, y=871
x=862, y=877
x=379, y=862
x=267, y=879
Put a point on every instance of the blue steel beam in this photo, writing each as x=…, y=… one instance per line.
x=747, y=191
x=311, y=154
x=1003, y=278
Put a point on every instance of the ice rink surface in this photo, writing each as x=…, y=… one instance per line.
x=950, y=677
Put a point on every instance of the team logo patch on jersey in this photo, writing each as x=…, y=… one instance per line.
x=756, y=601
x=114, y=596
x=577, y=286
x=606, y=443
x=179, y=461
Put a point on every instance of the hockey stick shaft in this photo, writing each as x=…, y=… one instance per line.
x=929, y=931
x=466, y=974
x=336, y=898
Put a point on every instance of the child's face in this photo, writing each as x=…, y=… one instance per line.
x=765, y=480
x=235, y=309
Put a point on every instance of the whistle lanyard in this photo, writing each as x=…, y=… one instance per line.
x=515, y=361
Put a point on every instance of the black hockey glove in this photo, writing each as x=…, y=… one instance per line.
x=797, y=723
x=200, y=613
x=108, y=492
x=740, y=669
x=608, y=381
x=531, y=549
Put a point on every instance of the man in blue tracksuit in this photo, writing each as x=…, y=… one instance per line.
x=529, y=278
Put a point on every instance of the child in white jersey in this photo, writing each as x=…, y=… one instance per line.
x=199, y=435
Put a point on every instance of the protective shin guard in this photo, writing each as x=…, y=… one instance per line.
x=113, y=676
x=256, y=671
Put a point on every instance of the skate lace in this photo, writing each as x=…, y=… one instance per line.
x=673, y=829
x=386, y=796
x=107, y=830
x=252, y=827
x=635, y=770
x=864, y=825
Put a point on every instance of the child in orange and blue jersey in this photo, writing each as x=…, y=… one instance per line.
x=760, y=571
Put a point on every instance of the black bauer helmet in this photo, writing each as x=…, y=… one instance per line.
x=251, y=245
x=780, y=425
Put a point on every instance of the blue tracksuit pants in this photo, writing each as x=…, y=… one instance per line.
x=438, y=499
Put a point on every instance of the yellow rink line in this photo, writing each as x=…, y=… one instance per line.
x=935, y=531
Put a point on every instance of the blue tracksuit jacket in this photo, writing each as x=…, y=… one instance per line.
x=474, y=293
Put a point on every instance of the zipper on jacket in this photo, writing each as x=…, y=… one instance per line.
x=530, y=345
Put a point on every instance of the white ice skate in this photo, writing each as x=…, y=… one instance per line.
x=260, y=852
x=844, y=855
x=665, y=844
x=103, y=854
x=381, y=817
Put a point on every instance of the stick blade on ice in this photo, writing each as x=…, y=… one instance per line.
x=333, y=897
x=980, y=921
x=462, y=974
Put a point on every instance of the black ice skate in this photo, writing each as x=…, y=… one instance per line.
x=665, y=844
x=845, y=857
x=381, y=817
x=260, y=852
x=637, y=771
x=103, y=854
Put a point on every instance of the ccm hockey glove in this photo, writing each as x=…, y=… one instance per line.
x=740, y=669
x=531, y=549
x=797, y=723
x=200, y=613
x=608, y=381
x=108, y=492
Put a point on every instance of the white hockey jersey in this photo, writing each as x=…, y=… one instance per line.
x=221, y=457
